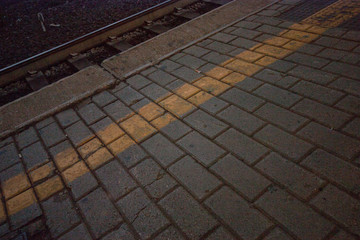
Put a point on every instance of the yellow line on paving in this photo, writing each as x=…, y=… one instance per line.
x=150, y=118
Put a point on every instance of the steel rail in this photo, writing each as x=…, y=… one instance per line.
x=60, y=53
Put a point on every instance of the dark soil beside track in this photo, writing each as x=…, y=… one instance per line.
x=21, y=35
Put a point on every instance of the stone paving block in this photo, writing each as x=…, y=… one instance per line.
x=344, y=69
x=169, y=233
x=273, y=51
x=138, y=81
x=268, y=20
x=168, y=65
x=78, y=233
x=247, y=24
x=246, y=33
x=240, y=176
x=177, y=106
x=307, y=60
x=223, y=37
x=246, y=221
x=13, y=181
x=201, y=148
x=196, y=51
x=6, y=141
x=211, y=85
x=296, y=179
x=246, y=55
x=123, y=233
x=118, y=111
x=99, y=212
x=129, y=96
x=194, y=177
x=228, y=29
x=205, y=123
x=107, y=130
x=182, y=88
x=26, y=137
x=243, y=67
x=189, y=215
x=217, y=58
x=91, y=113
x=343, y=235
x=309, y=48
x=160, y=77
x=190, y=61
x=241, y=120
x=67, y=117
x=312, y=74
x=162, y=149
x=148, y=109
x=280, y=65
x=241, y=145
x=79, y=133
x=214, y=71
x=118, y=87
x=220, y=47
x=317, y=92
x=147, y=71
x=103, y=98
x=352, y=58
x=115, y=179
x=242, y=99
x=131, y=155
x=332, y=54
x=331, y=140
x=137, y=128
x=277, y=234
x=89, y=147
x=155, y=92
x=248, y=84
x=42, y=172
x=220, y=233
x=51, y=134
x=340, y=206
x=244, y=43
x=305, y=223
x=277, y=95
x=121, y=144
x=350, y=103
x=353, y=127
x=326, y=115
x=180, y=54
x=175, y=130
x=270, y=76
x=44, y=122
x=287, y=144
x=187, y=74
x=212, y=104
x=153, y=178
x=60, y=214
x=49, y=187
x=270, y=29
x=281, y=117
x=336, y=43
x=98, y=158
x=64, y=155
x=334, y=169
x=9, y=153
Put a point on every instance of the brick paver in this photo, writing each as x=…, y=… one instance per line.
x=250, y=133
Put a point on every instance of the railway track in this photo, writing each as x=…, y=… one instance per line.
x=49, y=66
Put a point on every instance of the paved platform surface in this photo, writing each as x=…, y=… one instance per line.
x=252, y=133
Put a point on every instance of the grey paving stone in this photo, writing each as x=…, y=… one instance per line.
x=270, y=29
x=305, y=223
x=118, y=87
x=143, y=215
x=118, y=111
x=242, y=99
x=340, y=206
x=248, y=84
x=107, y=130
x=344, y=69
x=213, y=105
x=296, y=179
x=187, y=74
x=336, y=43
x=335, y=32
x=34, y=155
x=4, y=229
x=246, y=221
x=169, y=233
x=243, y=43
x=162, y=149
x=268, y=20
x=115, y=179
x=25, y=216
x=91, y=113
x=79, y=133
x=350, y=103
x=189, y=215
x=6, y=141
x=343, y=235
x=123, y=233
x=281, y=117
x=240, y=176
x=78, y=233
x=129, y=96
x=175, y=130
x=352, y=58
x=277, y=234
x=326, y=115
x=205, y=123
x=287, y=144
x=153, y=178
x=312, y=74
x=311, y=49
x=331, y=140
x=282, y=66
x=51, y=134
x=220, y=233
x=155, y=92
x=60, y=214
x=247, y=24
x=82, y=185
x=277, y=95
x=307, y=60
x=148, y=71
x=103, y=98
x=160, y=77
x=353, y=127
x=220, y=47
x=216, y=58
x=241, y=120
x=179, y=55
x=223, y=37
x=44, y=122
x=26, y=137
x=241, y=145
x=196, y=51
x=317, y=92
x=138, y=81
x=190, y=61
x=99, y=212
x=132, y=155
x=67, y=117
x=168, y=65
x=194, y=177
x=201, y=148
x=246, y=33
x=64, y=155
x=334, y=169
x=270, y=76
x=332, y=54
x=8, y=156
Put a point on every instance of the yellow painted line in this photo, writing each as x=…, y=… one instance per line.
x=18, y=192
